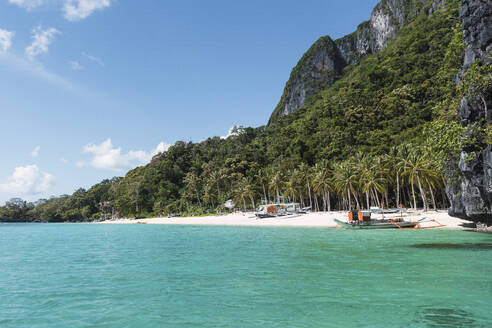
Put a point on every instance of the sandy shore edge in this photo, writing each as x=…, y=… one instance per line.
x=321, y=219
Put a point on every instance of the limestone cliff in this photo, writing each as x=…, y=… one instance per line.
x=470, y=185
x=319, y=68
x=387, y=18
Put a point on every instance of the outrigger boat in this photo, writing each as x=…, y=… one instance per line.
x=362, y=220
x=279, y=209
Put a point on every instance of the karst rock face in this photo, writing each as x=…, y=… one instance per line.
x=322, y=64
x=317, y=69
x=470, y=184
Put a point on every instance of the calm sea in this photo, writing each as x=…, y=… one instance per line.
x=83, y=275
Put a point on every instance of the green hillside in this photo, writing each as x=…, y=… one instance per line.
x=381, y=133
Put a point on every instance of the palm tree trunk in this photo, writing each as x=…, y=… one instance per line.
x=310, y=199
x=444, y=198
x=329, y=202
x=397, y=190
x=377, y=197
x=403, y=197
x=433, y=199
x=253, y=202
x=324, y=200
x=409, y=196
x=386, y=198
x=413, y=195
x=264, y=192
x=349, y=202
x=356, y=200
x=422, y=193
x=367, y=199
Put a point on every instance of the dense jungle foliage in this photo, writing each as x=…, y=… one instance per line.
x=381, y=135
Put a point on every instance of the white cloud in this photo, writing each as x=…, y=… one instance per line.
x=35, y=152
x=107, y=157
x=75, y=65
x=41, y=41
x=28, y=180
x=75, y=10
x=64, y=160
x=161, y=147
x=233, y=131
x=5, y=40
x=94, y=59
x=27, y=4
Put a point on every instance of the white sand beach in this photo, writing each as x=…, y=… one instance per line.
x=319, y=219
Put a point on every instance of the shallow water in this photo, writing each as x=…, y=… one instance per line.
x=82, y=275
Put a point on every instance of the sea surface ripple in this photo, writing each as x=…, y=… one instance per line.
x=86, y=275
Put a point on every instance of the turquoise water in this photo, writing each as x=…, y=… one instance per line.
x=82, y=275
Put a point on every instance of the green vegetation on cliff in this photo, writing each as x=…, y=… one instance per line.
x=380, y=134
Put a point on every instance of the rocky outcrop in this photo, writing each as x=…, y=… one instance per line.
x=319, y=68
x=387, y=18
x=470, y=184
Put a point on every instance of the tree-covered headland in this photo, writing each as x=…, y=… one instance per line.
x=382, y=135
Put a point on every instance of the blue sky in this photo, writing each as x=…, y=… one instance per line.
x=92, y=88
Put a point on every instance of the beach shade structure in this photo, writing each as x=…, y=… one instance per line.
x=229, y=204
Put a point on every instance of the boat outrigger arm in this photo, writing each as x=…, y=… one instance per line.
x=377, y=224
x=362, y=220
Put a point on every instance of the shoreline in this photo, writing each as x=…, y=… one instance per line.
x=313, y=220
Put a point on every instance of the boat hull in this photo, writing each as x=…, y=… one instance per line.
x=377, y=225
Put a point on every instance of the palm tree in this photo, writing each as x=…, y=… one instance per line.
x=209, y=195
x=346, y=181
x=322, y=183
x=381, y=178
x=366, y=173
x=434, y=182
x=261, y=176
x=305, y=175
x=276, y=183
x=417, y=168
x=371, y=180
x=401, y=166
x=215, y=178
x=245, y=190
x=393, y=169
x=292, y=185
x=192, y=183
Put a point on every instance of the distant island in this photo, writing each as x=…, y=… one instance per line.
x=396, y=114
